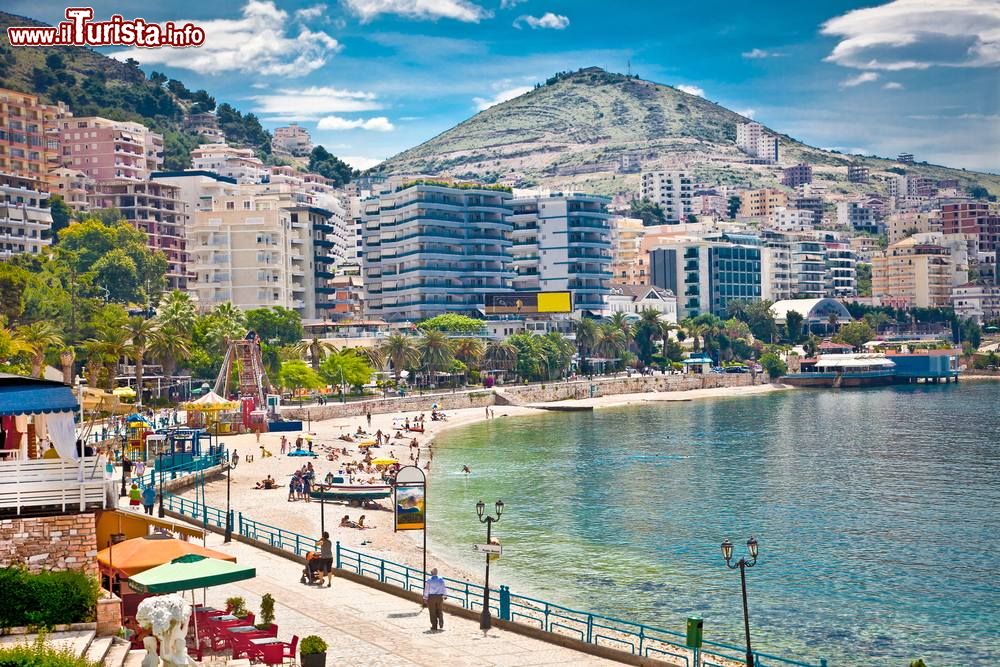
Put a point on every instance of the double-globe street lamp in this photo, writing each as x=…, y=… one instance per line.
x=743, y=564
x=485, y=622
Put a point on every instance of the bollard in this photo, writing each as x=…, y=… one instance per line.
x=504, y=603
x=338, y=554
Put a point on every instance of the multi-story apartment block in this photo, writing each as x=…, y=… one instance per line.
x=790, y=219
x=752, y=139
x=979, y=218
x=808, y=259
x=29, y=142
x=979, y=302
x=255, y=249
x=205, y=125
x=156, y=209
x=857, y=173
x=73, y=186
x=431, y=249
x=237, y=163
x=841, y=270
x=760, y=203
x=110, y=150
x=560, y=243
x=628, y=261
x=859, y=217
x=673, y=191
x=798, y=175
x=919, y=272
x=711, y=202
x=293, y=140
x=907, y=223
x=864, y=247
x=905, y=158
x=25, y=219
x=707, y=275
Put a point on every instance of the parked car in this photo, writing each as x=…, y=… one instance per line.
x=737, y=369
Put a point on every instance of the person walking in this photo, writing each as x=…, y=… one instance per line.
x=284, y=445
x=325, y=564
x=134, y=495
x=435, y=591
x=148, y=498
x=368, y=416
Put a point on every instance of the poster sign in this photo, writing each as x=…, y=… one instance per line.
x=527, y=303
x=410, y=507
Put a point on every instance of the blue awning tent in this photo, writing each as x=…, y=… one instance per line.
x=29, y=396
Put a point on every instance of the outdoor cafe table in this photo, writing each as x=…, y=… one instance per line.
x=240, y=634
x=224, y=618
x=266, y=640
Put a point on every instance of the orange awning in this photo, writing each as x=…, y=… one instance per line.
x=142, y=553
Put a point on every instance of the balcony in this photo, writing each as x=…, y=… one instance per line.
x=59, y=485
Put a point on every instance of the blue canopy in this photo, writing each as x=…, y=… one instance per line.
x=29, y=396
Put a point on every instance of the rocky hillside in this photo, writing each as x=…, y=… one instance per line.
x=595, y=130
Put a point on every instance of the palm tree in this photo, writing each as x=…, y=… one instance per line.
x=692, y=330
x=586, y=336
x=113, y=344
x=141, y=333
x=833, y=320
x=227, y=324
x=11, y=344
x=95, y=353
x=168, y=346
x=401, y=353
x=610, y=342
x=177, y=310
x=39, y=337
x=620, y=320
x=647, y=330
x=469, y=351
x=317, y=350
x=436, y=353
x=372, y=355
x=499, y=356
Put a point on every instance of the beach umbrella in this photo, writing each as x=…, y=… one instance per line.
x=139, y=554
x=384, y=461
x=124, y=392
x=190, y=572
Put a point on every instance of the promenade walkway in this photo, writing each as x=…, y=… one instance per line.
x=366, y=627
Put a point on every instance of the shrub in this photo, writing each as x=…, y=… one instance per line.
x=312, y=645
x=774, y=366
x=237, y=606
x=47, y=598
x=40, y=654
x=266, y=610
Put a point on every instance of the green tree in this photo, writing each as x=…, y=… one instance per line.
x=586, y=338
x=647, y=331
x=436, y=352
x=793, y=327
x=651, y=214
x=855, y=334
x=296, y=374
x=499, y=355
x=758, y=316
x=811, y=345
x=169, y=346
x=329, y=166
x=61, y=213
x=469, y=351
x=140, y=335
x=864, y=279
x=732, y=206
x=345, y=367
x=177, y=311
x=315, y=349
x=774, y=366
x=226, y=323
x=611, y=345
x=40, y=338
x=14, y=281
x=401, y=352
x=558, y=352
x=281, y=325
x=453, y=323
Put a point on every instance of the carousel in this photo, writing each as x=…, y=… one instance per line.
x=215, y=414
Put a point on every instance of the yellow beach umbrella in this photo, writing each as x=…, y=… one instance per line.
x=384, y=461
x=124, y=392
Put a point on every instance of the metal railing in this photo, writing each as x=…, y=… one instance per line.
x=635, y=638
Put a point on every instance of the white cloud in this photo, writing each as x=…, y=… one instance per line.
x=892, y=85
x=483, y=103
x=314, y=101
x=460, y=10
x=258, y=42
x=548, y=20
x=376, y=124
x=917, y=34
x=864, y=77
x=761, y=53
x=360, y=161
x=691, y=90
x=747, y=113
x=310, y=13
x=510, y=4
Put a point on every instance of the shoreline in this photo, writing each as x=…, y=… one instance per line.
x=403, y=547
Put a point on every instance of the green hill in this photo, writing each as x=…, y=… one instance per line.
x=576, y=130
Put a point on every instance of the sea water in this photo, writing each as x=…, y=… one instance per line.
x=877, y=512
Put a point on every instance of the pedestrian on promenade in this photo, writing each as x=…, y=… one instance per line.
x=435, y=591
x=325, y=564
x=368, y=416
x=148, y=498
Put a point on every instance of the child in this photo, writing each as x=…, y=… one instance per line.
x=134, y=496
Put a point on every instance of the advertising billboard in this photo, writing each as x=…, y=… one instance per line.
x=528, y=303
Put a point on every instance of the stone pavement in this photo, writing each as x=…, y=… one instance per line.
x=366, y=627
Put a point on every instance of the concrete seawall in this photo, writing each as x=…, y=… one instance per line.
x=524, y=394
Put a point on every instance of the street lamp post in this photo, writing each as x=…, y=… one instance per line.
x=322, y=508
x=123, y=492
x=229, y=477
x=743, y=564
x=159, y=470
x=485, y=622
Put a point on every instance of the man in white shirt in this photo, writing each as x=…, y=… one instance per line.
x=435, y=591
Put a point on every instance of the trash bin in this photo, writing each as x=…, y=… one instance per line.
x=695, y=628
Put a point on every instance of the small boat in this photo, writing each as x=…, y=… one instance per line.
x=354, y=494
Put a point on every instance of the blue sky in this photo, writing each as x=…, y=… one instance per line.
x=370, y=78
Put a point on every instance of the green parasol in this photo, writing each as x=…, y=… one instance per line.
x=189, y=572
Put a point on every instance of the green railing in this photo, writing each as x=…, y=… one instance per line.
x=635, y=638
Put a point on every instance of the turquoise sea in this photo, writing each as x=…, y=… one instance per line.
x=877, y=512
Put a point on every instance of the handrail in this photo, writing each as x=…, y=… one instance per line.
x=636, y=638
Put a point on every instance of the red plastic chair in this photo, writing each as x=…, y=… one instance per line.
x=288, y=649
x=272, y=654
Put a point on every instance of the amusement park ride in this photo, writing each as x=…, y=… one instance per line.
x=253, y=387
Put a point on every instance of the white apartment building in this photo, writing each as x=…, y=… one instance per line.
x=977, y=302
x=225, y=160
x=841, y=270
x=628, y=261
x=72, y=185
x=634, y=299
x=293, y=140
x=790, y=219
x=673, y=191
x=25, y=219
x=901, y=224
x=753, y=139
x=563, y=242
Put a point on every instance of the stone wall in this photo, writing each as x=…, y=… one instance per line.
x=65, y=542
x=109, y=614
x=523, y=394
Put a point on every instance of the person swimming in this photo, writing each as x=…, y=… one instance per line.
x=466, y=470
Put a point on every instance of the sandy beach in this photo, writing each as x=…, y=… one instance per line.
x=272, y=506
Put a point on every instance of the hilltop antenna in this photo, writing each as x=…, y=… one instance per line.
x=628, y=67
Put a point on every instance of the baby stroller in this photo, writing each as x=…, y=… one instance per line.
x=311, y=574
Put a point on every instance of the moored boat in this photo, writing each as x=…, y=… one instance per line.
x=342, y=490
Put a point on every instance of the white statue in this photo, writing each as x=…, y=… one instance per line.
x=151, y=659
x=166, y=616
